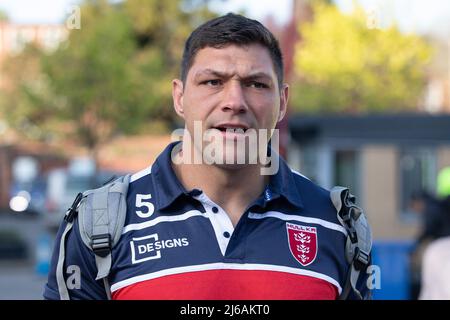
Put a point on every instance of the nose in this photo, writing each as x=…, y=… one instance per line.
x=234, y=98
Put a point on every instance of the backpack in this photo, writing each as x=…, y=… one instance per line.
x=358, y=246
x=101, y=218
x=102, y=215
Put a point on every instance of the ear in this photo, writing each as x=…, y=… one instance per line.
x=284, y=96
x=177, y=96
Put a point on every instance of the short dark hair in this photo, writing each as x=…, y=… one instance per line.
x=231, y=29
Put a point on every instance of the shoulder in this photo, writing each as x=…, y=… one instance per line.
x=308, y=186
x=141, y=175
x=435, y=263
x=437, y=249
x=315, y=198
x=141, y=182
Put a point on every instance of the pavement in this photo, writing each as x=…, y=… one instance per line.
x=23, y=277
x=20, y=281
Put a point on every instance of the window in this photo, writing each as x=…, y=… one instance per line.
x=417, y=174
x=309, y=162
x=346, y=171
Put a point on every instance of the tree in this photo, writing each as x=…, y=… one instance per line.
x=3, y=16
x=95, y=89
x=160, y=29
x=24, y=94
x=344, y=65
x=110, y=77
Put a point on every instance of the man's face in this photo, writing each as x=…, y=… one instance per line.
x=232, y=87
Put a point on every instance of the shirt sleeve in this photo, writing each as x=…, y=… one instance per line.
x=79, y=269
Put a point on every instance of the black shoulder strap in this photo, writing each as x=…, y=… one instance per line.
x=359, y=237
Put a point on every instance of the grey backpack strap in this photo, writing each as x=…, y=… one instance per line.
x=62, y=288
x=101, y=238
x=359, y=237
x=69, y=216
x=102, y=216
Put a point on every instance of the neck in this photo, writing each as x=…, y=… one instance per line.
x=232, y=188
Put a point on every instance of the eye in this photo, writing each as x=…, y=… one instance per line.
x=212, y=82
x=258, y=85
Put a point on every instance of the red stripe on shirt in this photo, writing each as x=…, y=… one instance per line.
x=230, y=285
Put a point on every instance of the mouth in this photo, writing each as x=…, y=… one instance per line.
x=232, y=128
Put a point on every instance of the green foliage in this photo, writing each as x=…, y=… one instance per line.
x=3, y=16
x=24, y=96
x=343, y=65
x=91, y=77
x=111, y=76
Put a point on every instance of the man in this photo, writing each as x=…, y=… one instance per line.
x=214, y=217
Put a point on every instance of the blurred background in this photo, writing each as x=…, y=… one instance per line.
x=85, y=96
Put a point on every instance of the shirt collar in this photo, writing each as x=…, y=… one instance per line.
x=168, y=188
x=283, y=184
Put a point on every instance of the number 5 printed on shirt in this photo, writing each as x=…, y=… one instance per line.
x=142, y=201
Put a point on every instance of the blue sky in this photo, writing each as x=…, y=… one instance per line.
x=422, y=16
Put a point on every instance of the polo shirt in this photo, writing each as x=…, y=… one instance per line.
x=179, y=244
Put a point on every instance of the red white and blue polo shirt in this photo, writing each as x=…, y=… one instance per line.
x=179, y=244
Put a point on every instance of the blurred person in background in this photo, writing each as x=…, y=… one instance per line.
x=435, y=260
x=435, y=284
x=430, y=215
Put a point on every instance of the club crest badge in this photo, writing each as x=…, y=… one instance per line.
x=302, y=243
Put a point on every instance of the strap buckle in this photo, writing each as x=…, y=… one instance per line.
x=101, y=244
x=347, y=218
x=361, y=259
x=72, y=211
